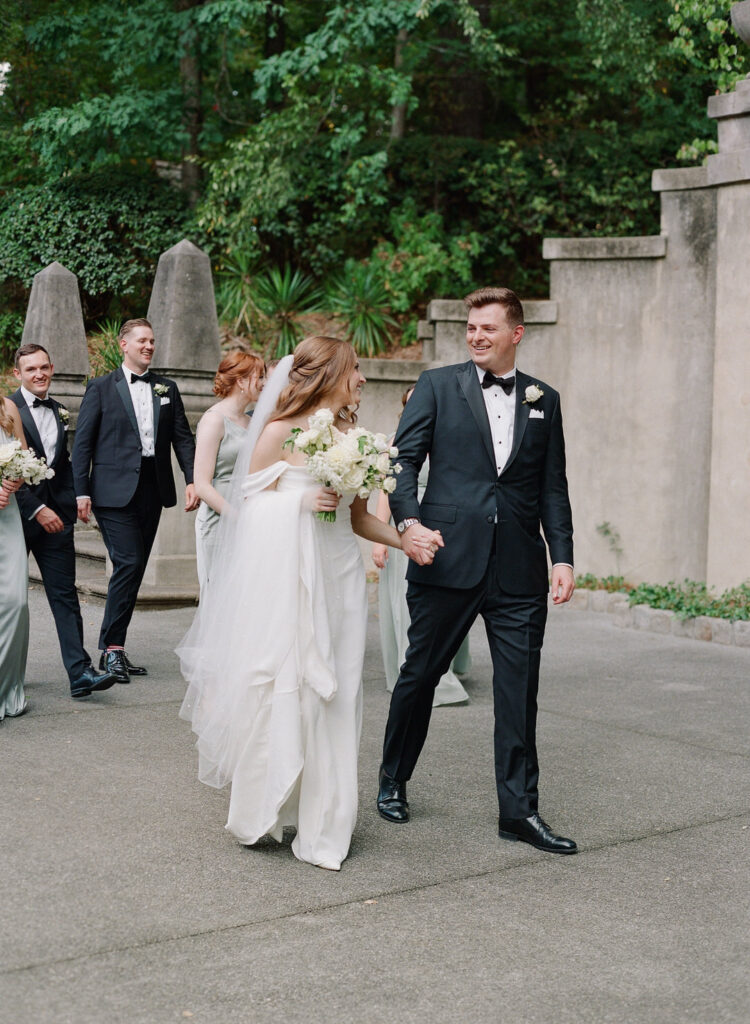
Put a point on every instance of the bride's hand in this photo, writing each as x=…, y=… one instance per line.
x=324, y=499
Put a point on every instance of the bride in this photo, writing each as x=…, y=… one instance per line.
x=274, y=657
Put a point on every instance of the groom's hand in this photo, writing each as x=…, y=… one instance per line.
x=563, y=583
x=420, y=544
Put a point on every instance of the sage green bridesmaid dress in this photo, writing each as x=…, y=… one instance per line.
x=14, y=608
x=395, y=621
x=207, y=520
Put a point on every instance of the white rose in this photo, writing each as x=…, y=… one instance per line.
x=533, y=393
x=389, y=485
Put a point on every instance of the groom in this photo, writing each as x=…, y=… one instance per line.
x=122, y=466
x=497, y=471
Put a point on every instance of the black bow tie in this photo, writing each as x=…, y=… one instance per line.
x=506, y=383
x=146, y=378
x=46, y=402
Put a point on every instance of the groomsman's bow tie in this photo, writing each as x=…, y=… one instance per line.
x=146, y=377
x=47, y=402
x=506, y=383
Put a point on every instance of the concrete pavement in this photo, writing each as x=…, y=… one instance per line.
x=124, y=900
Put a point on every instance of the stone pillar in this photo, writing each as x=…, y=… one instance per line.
x=182, y=311
x=729, y=172
x=54, y=319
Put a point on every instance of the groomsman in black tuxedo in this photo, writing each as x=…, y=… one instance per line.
x=494, y=437
x=48, y=511
x=128, y=423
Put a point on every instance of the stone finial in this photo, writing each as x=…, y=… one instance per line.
x=741, y=20
x=54, y=319
x=182, y=310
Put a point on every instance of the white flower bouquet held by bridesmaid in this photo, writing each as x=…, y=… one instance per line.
x=357, y=462
x=17, y=463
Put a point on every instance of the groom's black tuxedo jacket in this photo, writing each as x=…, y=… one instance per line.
x=107, y=448
x=58, y=492
x=466, y=500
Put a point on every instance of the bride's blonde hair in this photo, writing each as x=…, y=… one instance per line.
x=6, y=420
x=320, y=364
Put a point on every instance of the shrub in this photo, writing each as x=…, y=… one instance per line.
x=11, y=329
x=109, y=230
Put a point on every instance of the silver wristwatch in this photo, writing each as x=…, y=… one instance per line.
x=405, y=524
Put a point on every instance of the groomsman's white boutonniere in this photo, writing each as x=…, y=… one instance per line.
x=533, y=394
x=64, y=415
x=161, y=389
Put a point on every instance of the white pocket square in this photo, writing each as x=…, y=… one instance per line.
x=165, y=401
x=536, y=414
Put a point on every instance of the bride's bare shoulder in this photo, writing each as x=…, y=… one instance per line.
x=276, y=431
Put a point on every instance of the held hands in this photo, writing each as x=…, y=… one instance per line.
x=563, y=584
x=421, y=544
x=321, y=499
x=49, y=521
x=84, y=509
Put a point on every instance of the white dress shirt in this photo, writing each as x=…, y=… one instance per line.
x=501, y=413
x=143, y=404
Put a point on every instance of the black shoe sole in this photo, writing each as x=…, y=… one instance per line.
x=513, y=838
x=395, y=821
x=105, y=684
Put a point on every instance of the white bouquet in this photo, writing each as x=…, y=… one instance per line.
x=17, y=463
x=355, y=462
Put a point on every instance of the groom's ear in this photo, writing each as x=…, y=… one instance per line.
x=518, y=333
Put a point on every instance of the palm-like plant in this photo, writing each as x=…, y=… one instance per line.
x=359, y=298
x=105, y=351
x=235, y=300
x=283, y=296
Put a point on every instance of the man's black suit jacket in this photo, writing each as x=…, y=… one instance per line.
x=107, y=448
x=466, y=500
x=58, y=492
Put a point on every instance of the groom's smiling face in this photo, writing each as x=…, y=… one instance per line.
x=491, y=339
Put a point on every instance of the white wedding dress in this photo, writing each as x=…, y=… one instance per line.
x=274, y=666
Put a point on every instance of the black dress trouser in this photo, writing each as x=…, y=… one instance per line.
x=129, y=534
x=55, y=555
x=440, y=619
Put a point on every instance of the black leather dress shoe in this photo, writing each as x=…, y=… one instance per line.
x=536, y=832
x=130, y=668
x=113, y=662
x=89, y=681
x=392, y=803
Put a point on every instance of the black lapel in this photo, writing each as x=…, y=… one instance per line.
x=124, y=392
x=157, y=408
x=522, y=416
x=60, y=446
x=29, y=426
x=468, y=380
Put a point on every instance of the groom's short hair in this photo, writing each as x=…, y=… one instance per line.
x=28, y=350
x=503, y=297
x=130, y=325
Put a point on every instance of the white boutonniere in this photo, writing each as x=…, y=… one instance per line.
x=64, y=415
x=161, y=389
x=533, y=394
